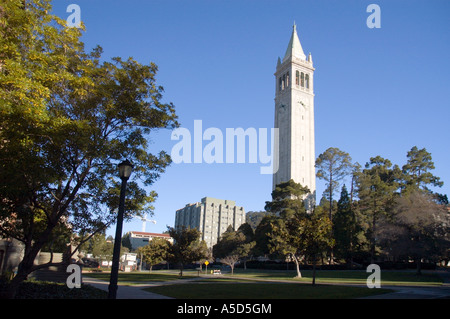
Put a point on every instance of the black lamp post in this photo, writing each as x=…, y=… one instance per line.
x=124, y=172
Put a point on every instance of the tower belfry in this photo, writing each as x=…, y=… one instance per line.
x=294, y=117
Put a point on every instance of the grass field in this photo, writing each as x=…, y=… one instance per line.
x=404, y=278
x=255, y=284
x=233, y=290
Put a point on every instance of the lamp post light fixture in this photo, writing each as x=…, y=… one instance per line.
x=125, y=169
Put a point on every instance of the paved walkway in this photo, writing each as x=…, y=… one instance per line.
x=136, y=291
x=123, y=291
x=415, y=292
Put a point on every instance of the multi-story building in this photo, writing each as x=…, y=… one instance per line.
x=211, y=217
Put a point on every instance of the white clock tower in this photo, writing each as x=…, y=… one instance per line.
x=294, y=117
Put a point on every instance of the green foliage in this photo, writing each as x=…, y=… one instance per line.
x=287, y=198
x=235, y=245
x=98, y=246
x=50, y=290
x=262, y=235
x=416, y=172
x=376, y=185
x=155, y=252
x=332, y=166
x=345, y=228
x=296, y=233
x=366, y=223
x=228, y=243
x=254, y=218
x=67, y=119
x=187, y=247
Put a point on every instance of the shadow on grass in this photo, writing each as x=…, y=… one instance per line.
x=140, y=277
x=406, y=278
x=228, y=290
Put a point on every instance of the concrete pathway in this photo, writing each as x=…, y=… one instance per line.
x=415, y=292
x=125, y=292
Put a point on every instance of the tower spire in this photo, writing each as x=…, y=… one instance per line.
x=294, y=48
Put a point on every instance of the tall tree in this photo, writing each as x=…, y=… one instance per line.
x=302, y=235
x=315, y=236
x=416, y=172
x=345, y=227
x=419, y=229
x=262, y=235
x=234, y=245
x=376, y=186
x=155, y=252
x=187, y=247
x=287, y=198
x=66, y=121
x=228, y=242
x=296, y=233
x=254, y=218
x=287, y=203
x=332, y=166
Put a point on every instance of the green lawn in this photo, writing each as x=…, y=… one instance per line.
x=322, y=276
x=260, y=284
x=216, y=290
x=407, y=278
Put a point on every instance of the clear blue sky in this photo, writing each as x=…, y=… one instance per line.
x=377, y=91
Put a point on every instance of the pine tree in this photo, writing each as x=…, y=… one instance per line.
x=345, y=228
x=376, y=186
x=416, y=172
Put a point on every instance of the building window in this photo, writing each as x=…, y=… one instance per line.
x=284, y=82
x=302, y=79
x=297, y=77
x=307, y=81
x=280, y=87
x=287, y=79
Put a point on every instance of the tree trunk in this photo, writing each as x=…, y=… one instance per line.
x=418, y=267
x=297, y=266
x=24, y=269
x=26, y=265
x=181, y=270
x=372, y=240
x=314, y=270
